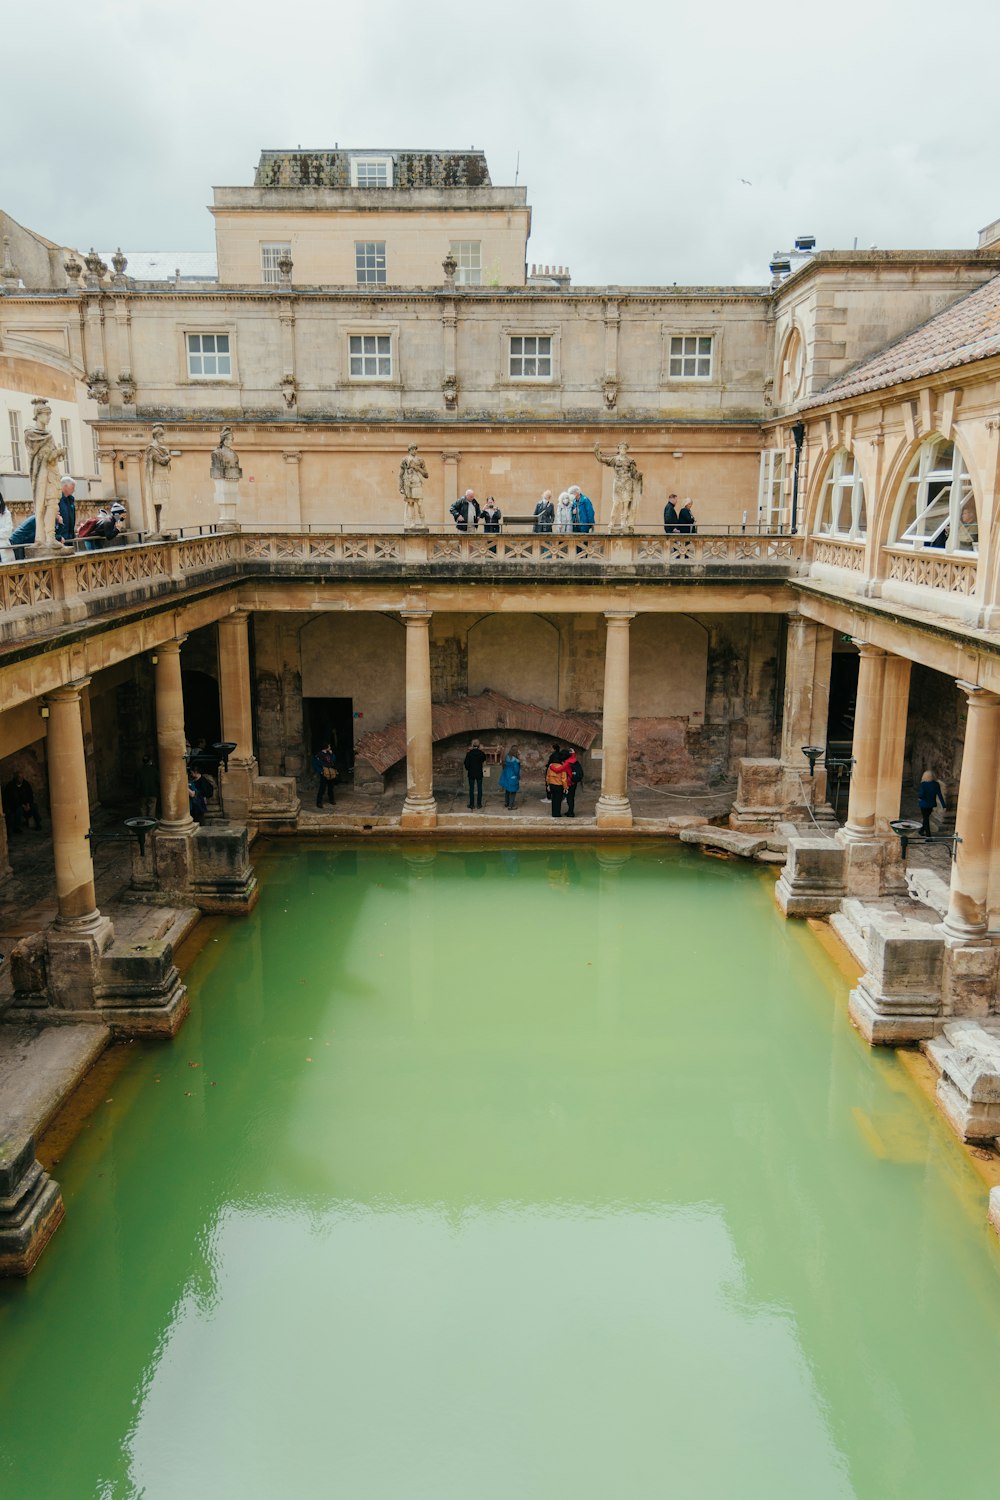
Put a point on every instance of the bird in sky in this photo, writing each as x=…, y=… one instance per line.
x=747, y=181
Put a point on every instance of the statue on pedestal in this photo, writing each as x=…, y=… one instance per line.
x=412, y=473
x=627, y=486
x=156, y=466
x=225, y=462
x=46, y=459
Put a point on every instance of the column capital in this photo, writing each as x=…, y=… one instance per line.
x=619, y=616
x=979, y=697
x=235, y=617
x=450, y=455
x=865, y=648
x=416, y=616
x=169, y=648
x=68, y=693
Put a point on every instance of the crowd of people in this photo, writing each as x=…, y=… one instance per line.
x=106, y=529
x=563, y=774
x=572, y=511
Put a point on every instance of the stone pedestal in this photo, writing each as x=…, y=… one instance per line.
x=812, y=882
x=60, y=977
x=768, y=792
x=31, y=1207
x=967, y=1057
x=613, y=807
x=899, y=998
x=873, y=866
x=227, y=494
x=270, y=803
x=208, y=867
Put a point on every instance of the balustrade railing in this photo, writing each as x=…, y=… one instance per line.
x=934, y=569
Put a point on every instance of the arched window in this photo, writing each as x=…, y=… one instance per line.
x=793, y=363
x=938, y=505
x=842, y=509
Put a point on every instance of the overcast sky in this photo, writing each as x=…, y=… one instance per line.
x=634, y=119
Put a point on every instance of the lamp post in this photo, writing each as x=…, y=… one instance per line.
x=798, y=437
x=840, y=765
x=137, y=827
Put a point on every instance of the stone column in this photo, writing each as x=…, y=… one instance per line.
x=967, y=918
x=69, y=807
x=874, y=865
x=450, y=458
x=175, y=815
x=808, y=659
x=293, y=493
x=419, y=808
x=237, y=717
x=867, y=732
x=892, y=742
x=613, y=807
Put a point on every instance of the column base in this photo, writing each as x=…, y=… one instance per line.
x=900, y=997
x=812, y=881
x=31, y=1210
x=419, y=812
x=207, y=867
x=270, y=802
x=769, y=792
x=873, y=864
x=59, y=979
x=613, y=812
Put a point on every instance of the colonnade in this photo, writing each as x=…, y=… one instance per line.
x=420, y=808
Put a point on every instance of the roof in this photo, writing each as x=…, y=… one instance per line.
x=966, y=331
x=411, y=169
x=162, y=265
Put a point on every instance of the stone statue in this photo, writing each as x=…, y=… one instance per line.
x=46, y=459
x=225, y=462
x=627, y=487
x=412, y=473
x=156, y=464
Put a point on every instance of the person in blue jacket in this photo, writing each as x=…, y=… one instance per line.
x=929, y=794
x=66, y=519
x=510, y=776
x=583, y=510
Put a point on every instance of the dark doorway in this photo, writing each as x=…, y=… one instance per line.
x=202, y=716
x=843, y=700
x=331, y=719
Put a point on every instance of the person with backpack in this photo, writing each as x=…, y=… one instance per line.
x=574, y=775
x=583, y=509
x=325, y=766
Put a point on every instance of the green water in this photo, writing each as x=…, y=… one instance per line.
x=496, y=1175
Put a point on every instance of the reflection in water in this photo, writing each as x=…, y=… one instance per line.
x=571, y=1184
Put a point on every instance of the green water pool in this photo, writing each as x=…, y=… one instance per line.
x=489, y=1174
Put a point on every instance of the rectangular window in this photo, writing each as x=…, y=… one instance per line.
x=771, y=490
x=16, y=451
x=369, y=260
x=469, y=255
x=371, y=356
x=269, y=257
x=371, y=172
x=67, y=442
x=208, y=356
x=97, y=451
x=691, y=357
x=530, y=356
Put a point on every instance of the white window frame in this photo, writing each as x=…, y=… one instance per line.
x=372, y=165
x=358, y=350
x=66, y=434
x=943, y=489
x=843, y=496
x=217, y=377
x=97, y=450
x=678, y=354
x=271, y=251
x=519, y=337
x=772, y=509
x=16, y=443
x=368, y=250
x=469, y=256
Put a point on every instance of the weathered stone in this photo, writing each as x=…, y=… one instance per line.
x=967, y=1055
x=812, y=882
x=679, y=821
x=727, y=839
x=970, y=978
x=899, y=998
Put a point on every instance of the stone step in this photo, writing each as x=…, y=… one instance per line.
x=745, y=845
x=40, y=1066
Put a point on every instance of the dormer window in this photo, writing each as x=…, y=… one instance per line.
x=371, y=171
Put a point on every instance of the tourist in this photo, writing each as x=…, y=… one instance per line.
x=574, y=775
x=583, y=509
x=474, y=762
x=19, y=804
x=87, y=533
x=325, y=766
x=200, y=792
x=556, y=783
x=465, y=512
x=929, y=794
x=6, y=527
x=545, y=513
x=149, y=787
x=685, y=517
x=66, y=518
x=491, y=515
x=564, y=512
x=670, y=517
x=510, y=777
x=111, y=525
x=22, y=536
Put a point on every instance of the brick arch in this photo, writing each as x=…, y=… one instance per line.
x=483, y=715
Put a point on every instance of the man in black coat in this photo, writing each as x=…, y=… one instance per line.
x=474, y=762
x=685, y=519
x=465, y=512
x=670, y=515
